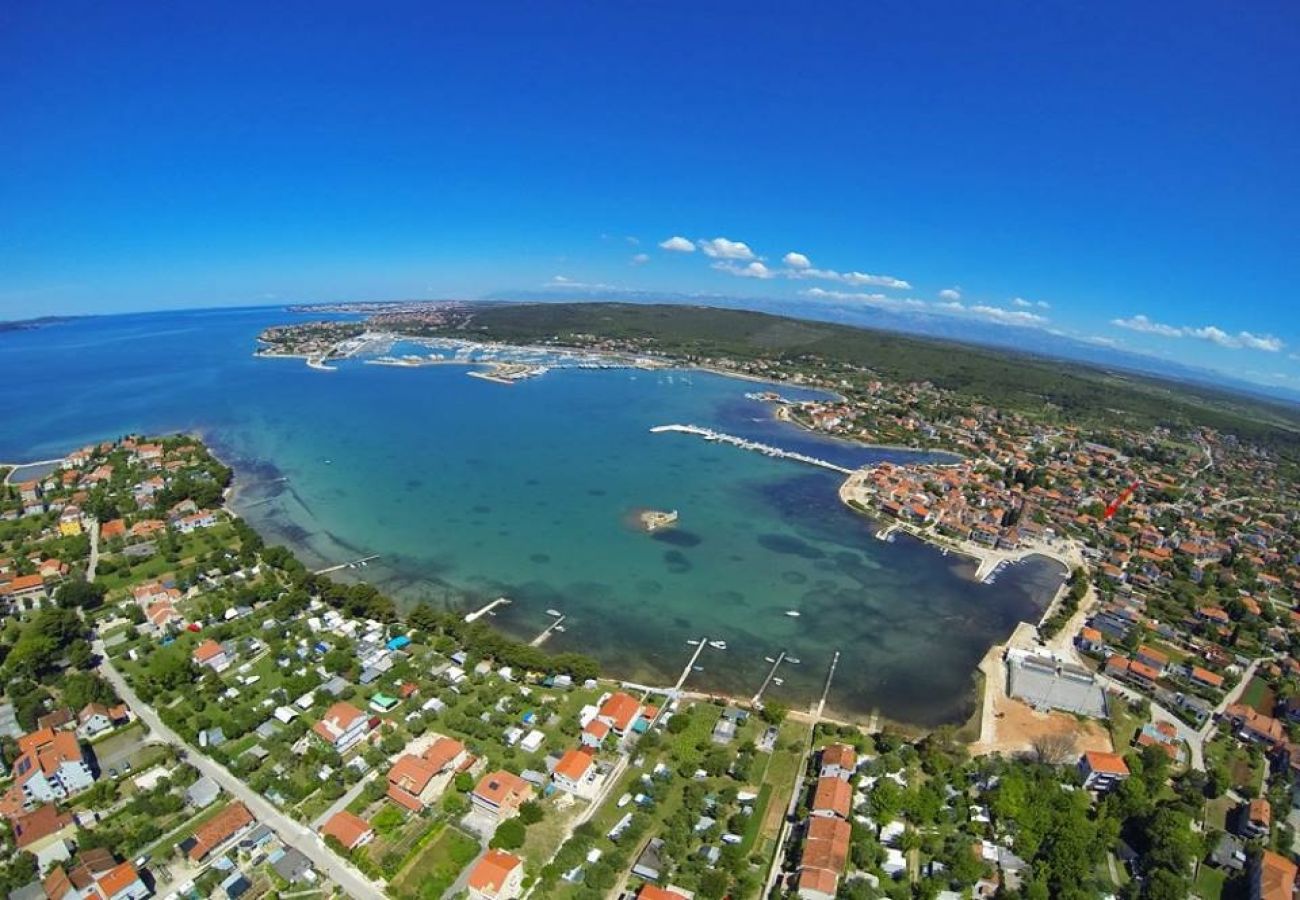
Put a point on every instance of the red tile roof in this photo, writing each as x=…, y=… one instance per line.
x=349, y=828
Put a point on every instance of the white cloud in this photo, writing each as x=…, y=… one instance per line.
x=677, y=244
x=752, y=270
x=796, y=260
x=633, y=240
x=951, y=293
x=857, y=279
x=641, y=259
x=1007, y=316
x=722, y=248
x=563, y=282
x=1212, y=333
x=879, y=300
x=1022, y=303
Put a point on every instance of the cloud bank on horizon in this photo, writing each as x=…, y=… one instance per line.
x=739, y=259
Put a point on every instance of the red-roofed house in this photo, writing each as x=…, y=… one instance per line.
x=1102, y=771
x=620, y=712
x=501, y=793
x=833, y=797
x=594, y=734
x=416, y=781
x=232, y=821
x=50, y=766
x=1272, y=877
x=342, y=726
x=213, y=655
x=576, y=773
x=349, y=829
x=498, y=875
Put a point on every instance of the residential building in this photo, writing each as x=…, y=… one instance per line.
x=497, y=875
x=823, y=857
x=342, y=727
x=1272, y=877
x=97, y=718
x=839, y=761
x=576, y=773
x=348, y=829
x=833, y=797
x=50, y=766
x=1102, y=771
x=213, y=655
x=501, y=793
x=226, y=825
x=417, y=781
x=620, y=712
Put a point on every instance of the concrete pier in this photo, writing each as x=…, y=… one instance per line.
x=821, y=704
x=546, y=632
x=326, y=571
x=757, y=700
x=486, y=608
x=766, y=449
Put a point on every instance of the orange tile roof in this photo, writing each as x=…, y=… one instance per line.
x=833, y=795
x=39, y=823
x=574, y=765
x=219, y=829
x=118, y=879
x=1106, y=763
x=443, y=752
x=621, y=710
x=492, y=871
x=1277, y=876
x=348, y=828
x=841, y=755
x=654, y=892
x=336, y=721
x=207, y=650
x=497, y=787
x=411, y=773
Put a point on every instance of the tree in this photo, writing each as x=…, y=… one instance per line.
x=530, y=813
x=78, y=593
x=509, y=835
x=1055, y=749
x=80, y=656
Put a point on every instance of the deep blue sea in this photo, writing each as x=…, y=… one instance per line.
x=469, y=490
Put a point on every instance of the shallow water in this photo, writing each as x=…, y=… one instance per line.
x=471, y=490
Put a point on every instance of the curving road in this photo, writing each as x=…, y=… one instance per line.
x=294, y=834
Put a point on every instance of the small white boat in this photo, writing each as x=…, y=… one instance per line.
x=792, y=613
x=778, y=681
x=698, y=668
x=553, y=612
x=768, y=659
x=718, y=645
x=559, y=627
x=693, y=643
x=792, y=660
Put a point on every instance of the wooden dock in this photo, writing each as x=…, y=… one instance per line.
x=821, y=704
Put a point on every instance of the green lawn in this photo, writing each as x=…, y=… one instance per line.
x=1259, y=696
x=1209, y=883
x=436, y=866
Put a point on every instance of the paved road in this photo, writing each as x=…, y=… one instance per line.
x=342, y=802
x=1184, y=731
x=94, y=550
x=1230, y=698
x=294, y=834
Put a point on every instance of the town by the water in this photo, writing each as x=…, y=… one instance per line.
x=190, y=712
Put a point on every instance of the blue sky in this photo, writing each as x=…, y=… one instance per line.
x=1117, y=172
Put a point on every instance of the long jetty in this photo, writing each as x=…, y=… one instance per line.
x=757, y=700
x=546, y=632
x=486, y=608
x=346, y=565
x=821, y=704
x=766, y=449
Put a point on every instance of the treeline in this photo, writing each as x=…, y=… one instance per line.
x=1016, y=381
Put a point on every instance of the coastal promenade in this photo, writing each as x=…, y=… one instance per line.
x=987, y=559
x=293, y=834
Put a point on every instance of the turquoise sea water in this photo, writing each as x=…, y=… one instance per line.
x=471, y=490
